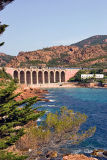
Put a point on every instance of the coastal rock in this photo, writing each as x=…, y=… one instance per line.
x=78, y=157
x=51, y=154
x=105, y=153
x=30, y=92
x=99, y=153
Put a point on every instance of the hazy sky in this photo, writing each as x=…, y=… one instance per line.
x=36, y=24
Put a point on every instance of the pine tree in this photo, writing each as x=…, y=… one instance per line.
x=2, y=29
x=3, y=3
x=14, y=115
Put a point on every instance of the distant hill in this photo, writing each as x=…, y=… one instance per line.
x=94, y=40
x=91, y=52
x=4, y=59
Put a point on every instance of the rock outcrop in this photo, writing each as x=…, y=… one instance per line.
x=30, y=92
x=99, y=153
x=78, y=157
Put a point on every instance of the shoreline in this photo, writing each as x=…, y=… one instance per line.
x=28, y=92
x=66, y=85
x=41, y=90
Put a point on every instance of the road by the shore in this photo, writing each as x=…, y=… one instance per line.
x=57, y=85
x=66, y=85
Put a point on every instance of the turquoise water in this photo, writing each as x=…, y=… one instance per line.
x=92, y=102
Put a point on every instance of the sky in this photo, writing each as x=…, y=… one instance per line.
x=36, y=24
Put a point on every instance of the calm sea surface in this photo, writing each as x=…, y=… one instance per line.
x=92, y=102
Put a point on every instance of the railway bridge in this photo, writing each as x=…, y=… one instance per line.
x=36, y=76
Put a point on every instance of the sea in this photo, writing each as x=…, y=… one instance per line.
x=92, y=102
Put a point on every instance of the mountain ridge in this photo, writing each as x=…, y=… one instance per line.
x=94, y=40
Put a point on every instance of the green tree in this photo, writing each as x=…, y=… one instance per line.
x=4, y=75
x=59, y=129
x=96, y=71
x=2, y=29
x=14, y=115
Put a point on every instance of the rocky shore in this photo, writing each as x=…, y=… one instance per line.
x=27, y=92
x=96, y=153
x=70, y=85
x=78, y=157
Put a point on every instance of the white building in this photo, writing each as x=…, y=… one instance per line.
x=88, y=76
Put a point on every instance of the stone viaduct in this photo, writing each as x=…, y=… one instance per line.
x=37, y=76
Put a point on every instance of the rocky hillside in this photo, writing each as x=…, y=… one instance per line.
x=92, y=53
x=4, y=59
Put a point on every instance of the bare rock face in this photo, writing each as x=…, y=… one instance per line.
x=78, y=157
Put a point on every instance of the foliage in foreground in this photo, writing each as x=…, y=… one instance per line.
x=57, y=130
x=13, y=117
x=10, y=156
x=4, y=75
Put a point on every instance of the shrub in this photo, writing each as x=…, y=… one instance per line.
x=10, y=156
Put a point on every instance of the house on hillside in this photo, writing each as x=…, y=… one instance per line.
x=89, y=76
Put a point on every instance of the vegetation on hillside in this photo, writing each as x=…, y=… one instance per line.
x=77, y=77
x=54, y=62
x=4, y=74
x=94, y=40
x=4, y=59
x=31, y=63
